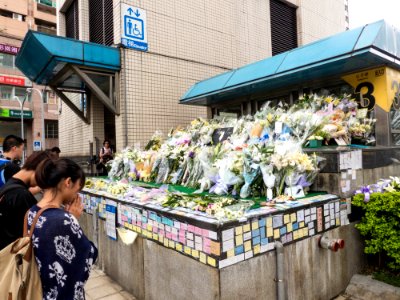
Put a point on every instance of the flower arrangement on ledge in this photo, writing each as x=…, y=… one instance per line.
x=259, y=155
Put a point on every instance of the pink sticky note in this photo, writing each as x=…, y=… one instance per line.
x=184, y=226
x=155, y=229
x=206, y=249
x=139, y=223
x=182, y=239
x=168, y=235
x=161, y=232
x=174, y=237
x=182, y=233
x=205, y=232
x=191, y=228
x=206, y=242
x=198, y=230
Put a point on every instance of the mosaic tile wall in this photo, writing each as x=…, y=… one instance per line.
x=222, y=245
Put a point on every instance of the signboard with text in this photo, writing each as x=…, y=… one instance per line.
x=4, y=48
x=11, y=80
x=14, y=113
x=133, y=27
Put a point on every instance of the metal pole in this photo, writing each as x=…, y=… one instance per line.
x=21, y=105
x=42, y=115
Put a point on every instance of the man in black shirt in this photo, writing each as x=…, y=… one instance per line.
x=15, y=199
x=13, y=149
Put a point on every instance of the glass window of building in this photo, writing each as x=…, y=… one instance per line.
x=6, y=92
x=283, y=26
x=72, y=21
x=51, y=129
x=101, y=23
x=7, y=60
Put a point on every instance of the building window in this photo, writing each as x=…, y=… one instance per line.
x=51, y=129
x=283, y=27
x=46, y=27
x=101, y=22
x=72, y=21
x=49, y=97
x=7, y=92
x=47, y=2
x=7, y=60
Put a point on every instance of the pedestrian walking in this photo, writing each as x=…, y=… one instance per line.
x=64, y=254
x=16, y=199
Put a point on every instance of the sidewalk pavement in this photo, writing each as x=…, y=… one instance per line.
x=100, y=286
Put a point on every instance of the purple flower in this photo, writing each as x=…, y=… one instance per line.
x=191, y=154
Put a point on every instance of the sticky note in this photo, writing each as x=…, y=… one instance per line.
x=286, y=219
x=166, y=242
x=289, y=227
x=270, y=232
x=257, y=249
x=171, y=244
x=178, y=247
x=155, y=236
x=261, y=222
x=305, y=232
x=269, y=222
x=239, y=250
x=161, y=239
x=247, y=246
x=238, y=230
x=301, y=224
x=215, y=248
x=231, y=253
x=203, y=258
x=254, y=225
x=195, y=253
x=211, y=261
x=187, y=250
x=239, y=240
x=293, y=217
x=295, y=234
x=276, y=234
x=246, y=227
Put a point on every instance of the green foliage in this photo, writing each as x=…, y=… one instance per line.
x=381, y=225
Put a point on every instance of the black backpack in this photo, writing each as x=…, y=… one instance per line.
x=3, y=164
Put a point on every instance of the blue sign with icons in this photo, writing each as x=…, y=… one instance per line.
x=133, y=33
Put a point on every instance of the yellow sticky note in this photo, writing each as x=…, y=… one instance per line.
x=126, y=224
x=230, y=253
x=300, y=231
x=195, y=253
x=215, y=248
x=239, y=240
x=276, y=234
x=166, y=242
x=269, y=222
x=211, y=261
x=161, y=239
x=149, y=227
x=178, y=247
x=305, y=231
x=203, y=258
x=155, y=236
x=246, y=227
x=337, y=221
x=257, y=249
x=247, y=246
x=238, y=230
x=187, y=250
x=301, y=224
x=254, y=225
x=286, y=219
x=295, y=234
x=293, y=217
x=270, y=232
x=171, y=244
x=289, y=227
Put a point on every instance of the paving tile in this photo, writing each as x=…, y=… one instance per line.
x=113, y=297
x=97, y=281
x=101, y=291
x=127, y=296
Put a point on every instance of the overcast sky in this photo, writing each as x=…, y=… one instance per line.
x=362, y=12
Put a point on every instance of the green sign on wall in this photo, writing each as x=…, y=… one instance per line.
x=13, y=113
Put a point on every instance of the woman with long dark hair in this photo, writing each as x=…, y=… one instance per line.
x=63, y=253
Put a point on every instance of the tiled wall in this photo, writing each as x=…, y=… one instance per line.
x=190, y=41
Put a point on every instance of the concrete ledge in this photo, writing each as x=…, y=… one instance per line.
x=365, y=288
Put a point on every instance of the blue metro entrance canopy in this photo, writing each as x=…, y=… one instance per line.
x=369, y=46
x=42, y=56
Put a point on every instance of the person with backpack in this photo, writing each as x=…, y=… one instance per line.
x=62, y=251
x=13, y=150
x=16, y=199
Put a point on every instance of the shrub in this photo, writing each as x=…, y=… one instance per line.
x=381, y=225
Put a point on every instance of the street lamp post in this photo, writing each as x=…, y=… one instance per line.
x=29, y=91
x=21, y=105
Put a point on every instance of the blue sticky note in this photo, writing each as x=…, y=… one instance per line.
x=144, y=220
x=262, y=232
x=256, y=240
x=261, y=222
x=295, y=226
x=264, y=241
x=239, y=250
x=255, y=232
x=282, y=231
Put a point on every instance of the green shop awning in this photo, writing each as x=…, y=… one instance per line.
x=368, y=46
x=71, y=68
